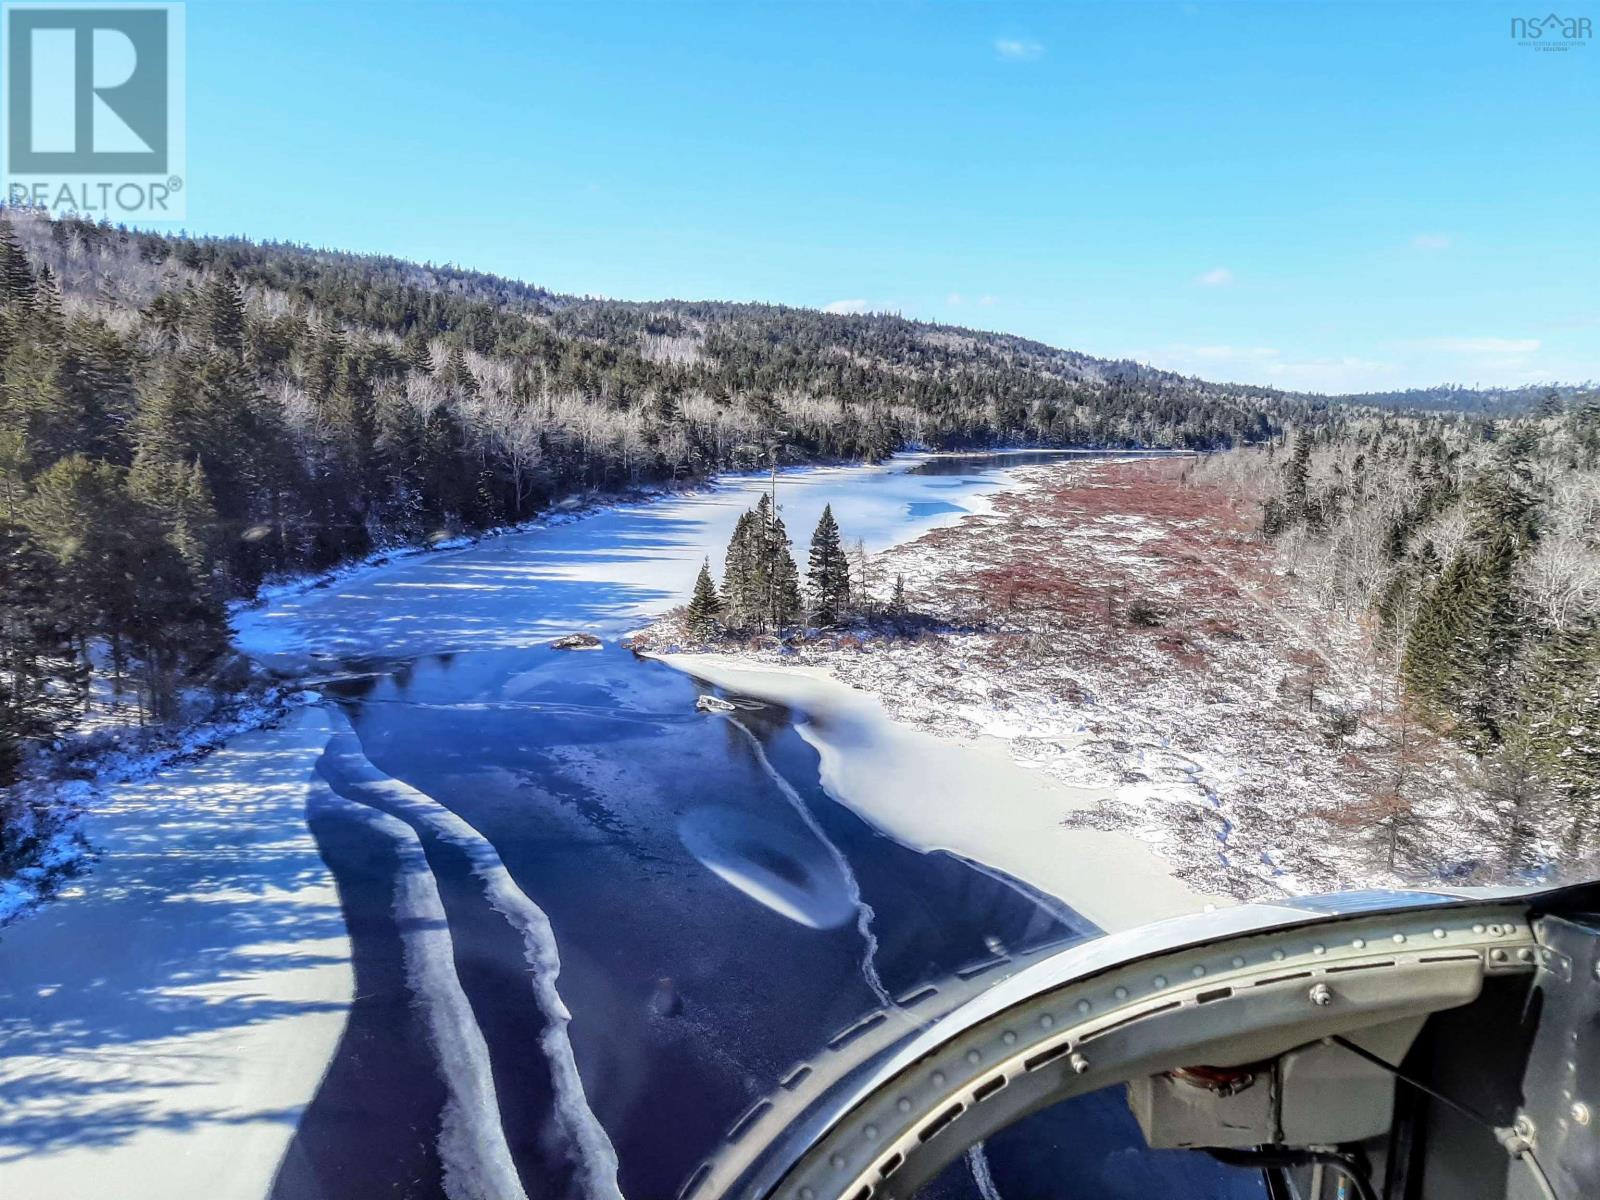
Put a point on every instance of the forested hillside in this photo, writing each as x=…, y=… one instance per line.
x=1473, y=548
x=181, y=419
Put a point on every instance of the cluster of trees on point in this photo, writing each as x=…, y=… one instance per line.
x=761, y=590
x=1475, y=546
x=183, y=418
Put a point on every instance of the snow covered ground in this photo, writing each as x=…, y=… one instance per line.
x=166, y=1018
x=1122, y=634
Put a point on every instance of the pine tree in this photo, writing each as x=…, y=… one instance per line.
x=222, y=312
x=787, y=605
x=1297, y=482
x=705, y=607
x=16, y=275
x=743, y=584
x=897, y=600
x=829, y=572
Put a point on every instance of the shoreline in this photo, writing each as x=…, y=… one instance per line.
x=923, y=791
x=1115, y=628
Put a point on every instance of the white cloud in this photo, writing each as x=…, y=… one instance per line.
x=1477, y=345
x=1231, y=353
x=1018, y=49
x=953, y=298
x=846, y=307
x=1216, y=277
x=988, y=301
x=1268, y=365
x=1431, y=241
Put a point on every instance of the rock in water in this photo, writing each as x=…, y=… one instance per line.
x=576, y=641
x=666, y=1002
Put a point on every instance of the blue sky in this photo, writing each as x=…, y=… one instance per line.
x=1324, y=196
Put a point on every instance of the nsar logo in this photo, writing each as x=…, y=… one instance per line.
x=1551, y=32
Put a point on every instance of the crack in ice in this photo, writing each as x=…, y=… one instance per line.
x=597, y=1156
x=864, y=912
x=472, y=1142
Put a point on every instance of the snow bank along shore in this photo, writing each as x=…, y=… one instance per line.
x=166, y=1019
x=970, y=799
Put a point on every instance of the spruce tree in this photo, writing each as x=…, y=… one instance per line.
x=787, y=605
x=705, y=606
x=1297, y=482
x=457, y=374
x=16, y=275
x=897, y=600
x=829, y=572
x=742, y=588
x=222, y=312
x=1560, y=723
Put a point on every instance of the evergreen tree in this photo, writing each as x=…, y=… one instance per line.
x=222, y=312
x=1297, y=482
x=43, y=676
x=787, y=605
x=829, y=572
x=743, y=576
x=1561, y=723
x=16, y=275
x=457, y=374
x=705, y=606
x=897, y=599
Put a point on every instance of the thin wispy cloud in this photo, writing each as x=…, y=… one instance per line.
x=1018, y=49
x=1216, y=277
x=988, y=301
x=953, y=299
x=1272, y=366
x=846, y=308
x=1477, y=345
x=1431, y=241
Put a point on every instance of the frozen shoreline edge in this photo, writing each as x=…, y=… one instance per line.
x=925, y=792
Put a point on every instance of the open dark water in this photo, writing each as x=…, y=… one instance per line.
x=718, y=918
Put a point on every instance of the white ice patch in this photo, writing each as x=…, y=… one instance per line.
x=978, y=1161
x=782, y=870
x=597, y=1157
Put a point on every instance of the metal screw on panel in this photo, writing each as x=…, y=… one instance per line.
x=1525, y=1129
x=1322, y=995
x=1080, y=1064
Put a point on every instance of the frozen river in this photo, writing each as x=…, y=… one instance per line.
x=588, y=924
